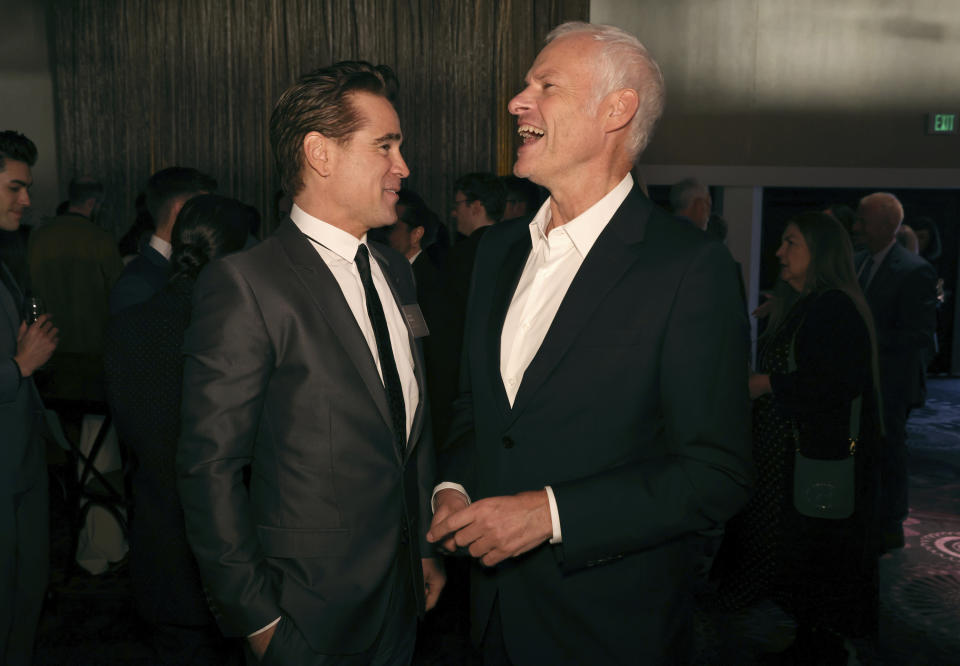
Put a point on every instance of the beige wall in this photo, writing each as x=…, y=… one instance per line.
x=26, y=96
x=800, y=83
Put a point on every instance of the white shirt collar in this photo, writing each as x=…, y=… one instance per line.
x=161, y=246
x=414, y=257
x=335, y=239
x=584, y=229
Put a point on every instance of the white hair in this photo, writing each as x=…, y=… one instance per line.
x=624, y=63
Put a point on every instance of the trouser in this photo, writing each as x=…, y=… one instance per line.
x=894, y=496
x=24, y=568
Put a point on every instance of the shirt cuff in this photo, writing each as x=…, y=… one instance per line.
x=260, y=631
x=554, y=516
x=443, y=486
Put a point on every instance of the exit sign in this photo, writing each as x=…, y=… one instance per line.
x=943, y=123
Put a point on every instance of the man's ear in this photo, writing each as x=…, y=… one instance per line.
x=316, y=153
x=416, y=235
x=622, y=107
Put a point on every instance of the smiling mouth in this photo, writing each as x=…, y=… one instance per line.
x=529, y=134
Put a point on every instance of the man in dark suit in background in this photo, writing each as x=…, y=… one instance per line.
x=301, y=361
x=901, y=290
x=167, y=191
x=603, y=418
x=414, y=232
x=24, y=529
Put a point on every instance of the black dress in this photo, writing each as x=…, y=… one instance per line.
x=823, y=572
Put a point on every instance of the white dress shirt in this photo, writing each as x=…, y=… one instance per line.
x=161, y=246
x=338, y=249
x=551, y=266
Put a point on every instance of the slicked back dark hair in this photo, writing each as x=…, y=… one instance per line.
x=320, y=102
x=15, y=146
x=168, y=184
x=485, y=188
x=208, y=226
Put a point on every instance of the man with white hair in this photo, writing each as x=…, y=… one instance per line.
x=603, y=415
x=690, y=201
x=901, y=290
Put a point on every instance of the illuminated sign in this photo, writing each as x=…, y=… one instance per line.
x=942, y=123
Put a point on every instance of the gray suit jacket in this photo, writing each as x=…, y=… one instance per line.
x=20, y=406
x=278, y=376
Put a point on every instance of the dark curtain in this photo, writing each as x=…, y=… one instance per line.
x=141, y=85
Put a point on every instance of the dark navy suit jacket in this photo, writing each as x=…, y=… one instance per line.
x=140, y=279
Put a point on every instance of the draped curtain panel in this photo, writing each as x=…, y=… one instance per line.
x=140, y=85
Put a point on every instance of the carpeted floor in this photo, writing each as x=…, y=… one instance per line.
x=91, y=621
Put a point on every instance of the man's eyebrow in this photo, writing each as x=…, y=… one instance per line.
x=542, y=74
x=25, y=183
x=389, y=137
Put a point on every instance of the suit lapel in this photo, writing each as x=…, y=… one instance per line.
x=326, y=293
x=8, y=302
x=614, y=252
x=418, y=369
x=878, y=289
x=507, y=279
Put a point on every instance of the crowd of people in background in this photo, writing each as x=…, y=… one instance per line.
x=548, y=337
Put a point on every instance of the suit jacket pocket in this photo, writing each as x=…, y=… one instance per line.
x=301, y=543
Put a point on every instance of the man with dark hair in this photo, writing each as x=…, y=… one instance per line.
x=479, y=200
x=523, y=197
x=302, y=362
x=73, y=265
x=24, y=527
x=900, y=288
x=690, y=201
x=603, y=419
x=166, y=192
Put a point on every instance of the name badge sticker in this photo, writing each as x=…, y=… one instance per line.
x=414, y=317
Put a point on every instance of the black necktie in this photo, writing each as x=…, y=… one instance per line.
x=388, y=366
x=865, y=273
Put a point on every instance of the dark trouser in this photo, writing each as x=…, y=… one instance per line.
x=392, y=647
x=196, y=645
x=894, y=503
x=24, y=569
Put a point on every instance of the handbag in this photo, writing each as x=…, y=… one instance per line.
x=825, y=488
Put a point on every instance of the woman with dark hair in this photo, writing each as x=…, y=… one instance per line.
x=928, y=238
x=143, y=370
x=805, y=539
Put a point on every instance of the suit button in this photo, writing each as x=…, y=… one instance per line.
x=507, y=443
x=404, y=535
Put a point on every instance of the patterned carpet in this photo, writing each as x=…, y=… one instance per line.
x=91, y=621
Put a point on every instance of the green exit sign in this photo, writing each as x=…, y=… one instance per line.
x=942, y=123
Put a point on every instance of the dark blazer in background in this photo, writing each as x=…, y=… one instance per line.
x=278, y=375
x=903, y=299
x=635, y=410
x=441, y=349
x=144, y=276
x=24, y=519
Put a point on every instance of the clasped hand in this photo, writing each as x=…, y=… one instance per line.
x=491, y=529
